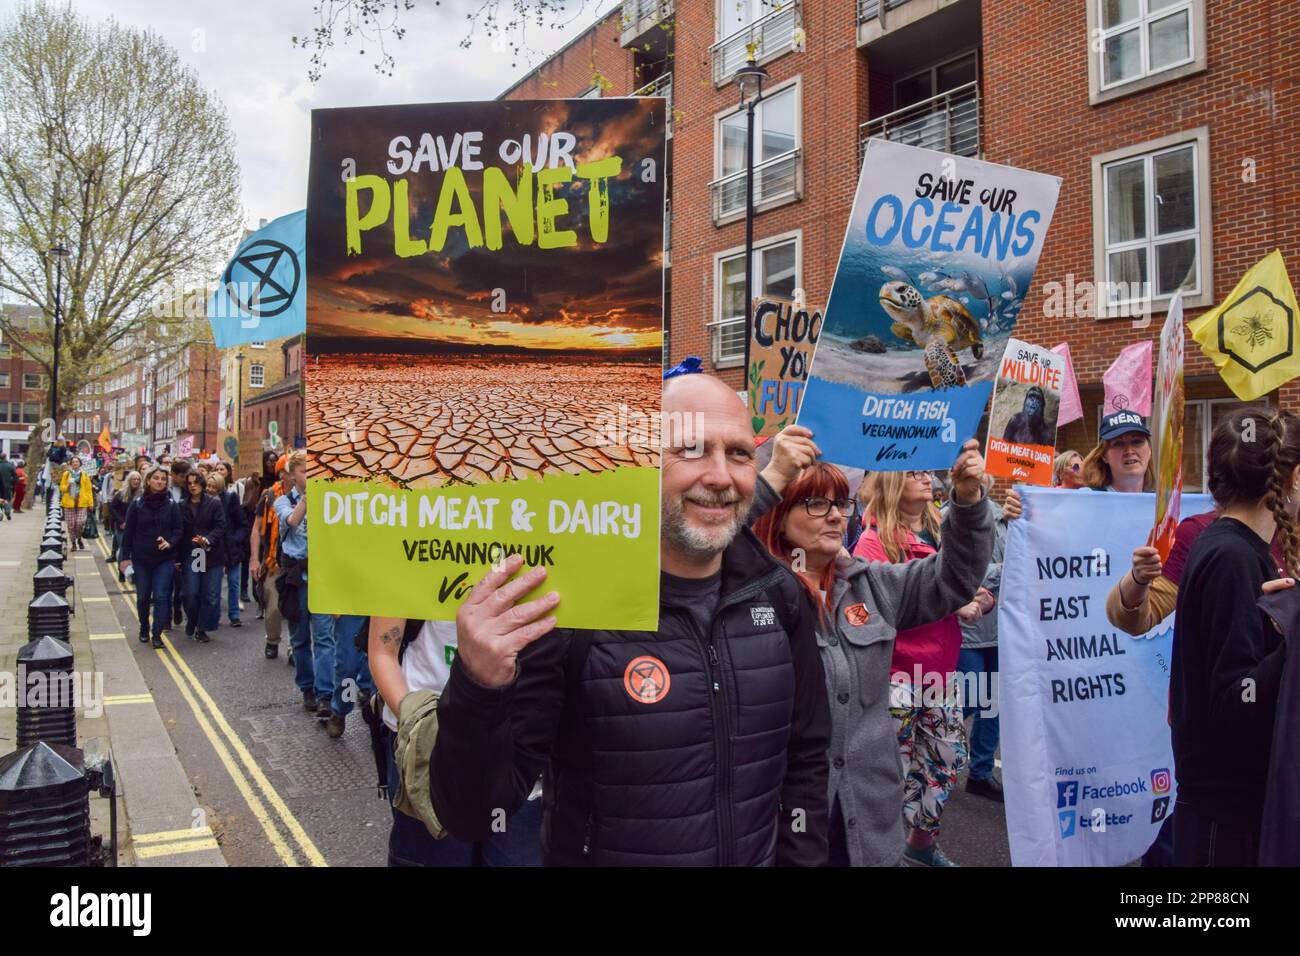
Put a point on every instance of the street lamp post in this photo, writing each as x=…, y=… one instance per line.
x=749, y=78
x=58, y=251
x=239, y=408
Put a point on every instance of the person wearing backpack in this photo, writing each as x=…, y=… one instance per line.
x=410, y=661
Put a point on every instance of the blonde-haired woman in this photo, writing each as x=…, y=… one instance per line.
x=1067, y=470
x=132, y=487
x=78, y=498
x=901, y=524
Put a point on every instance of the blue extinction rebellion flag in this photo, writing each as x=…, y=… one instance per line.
x=261, y=294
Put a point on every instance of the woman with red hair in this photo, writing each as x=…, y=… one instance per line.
x=802, y=509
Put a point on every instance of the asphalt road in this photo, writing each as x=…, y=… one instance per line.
x=278, y=792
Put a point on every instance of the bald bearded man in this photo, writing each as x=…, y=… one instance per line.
x=702, y=744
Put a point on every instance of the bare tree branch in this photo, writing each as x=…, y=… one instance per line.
x=111, y=147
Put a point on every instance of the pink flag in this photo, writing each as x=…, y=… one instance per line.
x=1071, y=408
x=1128, y=380
x=186, y=447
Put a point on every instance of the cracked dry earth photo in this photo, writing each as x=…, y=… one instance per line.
x=427, y=421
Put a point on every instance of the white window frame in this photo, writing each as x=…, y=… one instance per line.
x=1199, y=138
x=261, y=370
x=1097, y=35
x=40, y=381
x=762, y=205
x=257, y=345
x=719, y=320
x=4, y=379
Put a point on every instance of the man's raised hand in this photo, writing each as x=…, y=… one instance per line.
x=793, y=450
x=492, y=627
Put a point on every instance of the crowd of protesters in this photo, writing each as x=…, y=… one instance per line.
x=800, y=618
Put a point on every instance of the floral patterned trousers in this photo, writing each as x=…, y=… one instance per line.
x=932, y=746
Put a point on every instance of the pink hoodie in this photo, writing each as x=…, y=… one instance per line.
x=933, y=647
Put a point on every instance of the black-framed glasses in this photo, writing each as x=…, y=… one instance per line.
x=920, y=476
x=819, y=507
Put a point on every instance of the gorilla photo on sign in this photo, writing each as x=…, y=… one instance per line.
x=1035, y=423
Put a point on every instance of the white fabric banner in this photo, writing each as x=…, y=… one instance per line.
x=1086, y=759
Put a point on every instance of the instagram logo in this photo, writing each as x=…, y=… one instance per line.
x=1160, y=781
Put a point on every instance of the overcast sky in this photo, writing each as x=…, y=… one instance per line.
x=241, y=50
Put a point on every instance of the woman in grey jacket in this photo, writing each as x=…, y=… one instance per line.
x=801, y=510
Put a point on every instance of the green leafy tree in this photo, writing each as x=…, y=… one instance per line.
x=113, y=150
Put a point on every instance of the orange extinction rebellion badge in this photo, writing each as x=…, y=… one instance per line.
x=646, y=680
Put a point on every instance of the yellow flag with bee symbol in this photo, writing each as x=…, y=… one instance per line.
x=1252, y=336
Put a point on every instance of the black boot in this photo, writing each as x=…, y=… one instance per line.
x=144, y=634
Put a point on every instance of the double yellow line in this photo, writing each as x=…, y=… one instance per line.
x=250, y=781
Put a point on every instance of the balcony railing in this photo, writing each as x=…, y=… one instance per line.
x=870, y=9
x=772, y=34
x=728, y=341
x=663, y=86
x=641, y=15
x=777, y=179
x=949, y=122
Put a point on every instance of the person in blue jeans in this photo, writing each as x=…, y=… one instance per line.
x=237, y=523
x=312, y=637
x=352, y=681
x=204, y=556
x=978, y=663
x=152, y=534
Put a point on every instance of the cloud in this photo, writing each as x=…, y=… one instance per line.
x=242, y=51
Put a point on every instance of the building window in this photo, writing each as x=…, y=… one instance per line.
x=771, y=27
x=776, y=272
x=590, y=93
x=1140, y=43
x=777, y=168
x=32, y=380
x=257, y=345
x=1151, y=219
x=31, y=413
x=4, y=350
x=257, y=375
x=4, y=379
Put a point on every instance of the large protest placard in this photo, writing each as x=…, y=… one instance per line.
x=938, y=255
x=1169, y=430
x=1087, y=764
x=781, y=342
x=1022, y=420
x=485, y=320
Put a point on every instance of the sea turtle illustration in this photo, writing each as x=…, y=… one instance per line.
x=940, y=325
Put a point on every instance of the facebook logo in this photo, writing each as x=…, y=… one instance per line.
x=1067, y=820
x=1067, y=793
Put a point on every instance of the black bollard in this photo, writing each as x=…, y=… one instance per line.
x=46, y=705
x=44, y=807
x=47, y=616
x=50, y=559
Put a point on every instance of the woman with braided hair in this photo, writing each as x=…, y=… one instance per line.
x=1228, y=658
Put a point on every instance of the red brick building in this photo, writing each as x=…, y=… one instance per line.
x=185, y=391
x=1165, y=120
x=281, y=403
x=24, y=384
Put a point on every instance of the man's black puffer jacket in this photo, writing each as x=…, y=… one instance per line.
x=726, y=768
